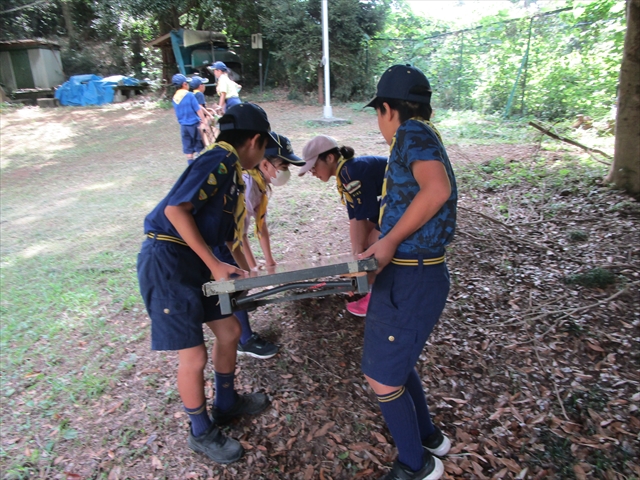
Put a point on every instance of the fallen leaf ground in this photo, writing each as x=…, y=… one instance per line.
x=531, y=376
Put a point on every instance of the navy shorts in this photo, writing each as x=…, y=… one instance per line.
x=406, y=303
x=230, y=102
x=171, y=278
x=191, y=139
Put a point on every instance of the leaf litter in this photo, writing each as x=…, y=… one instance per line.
x=531, y=376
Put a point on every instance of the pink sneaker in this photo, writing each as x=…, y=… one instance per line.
x=359, y=307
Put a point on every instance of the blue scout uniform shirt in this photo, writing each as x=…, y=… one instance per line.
x=414, y=141
x=362, y=179
x=186, y=106
x=200, y=98
x=210, y=184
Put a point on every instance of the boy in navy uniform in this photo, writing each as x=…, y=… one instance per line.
x=205, y=208
x=190, y=116
x=418, y=218
x=197, y=85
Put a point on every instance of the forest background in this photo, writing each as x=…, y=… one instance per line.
x=550, y=60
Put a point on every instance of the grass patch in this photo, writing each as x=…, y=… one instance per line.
x=473, y=127
x=577, y=236
x=595, y=278
x=566, y=175
x=557, y=454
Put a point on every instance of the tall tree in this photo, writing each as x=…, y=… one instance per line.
x=625, y=171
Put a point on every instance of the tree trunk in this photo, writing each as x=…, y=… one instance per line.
x=136, y=51
x=68, y=23
x=625, y=170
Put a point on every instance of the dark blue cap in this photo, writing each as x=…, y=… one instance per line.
x=280, y=146
x=179, y=79
x=398, y=81
x=197, y=81
x=219, y=66
x=245, y=116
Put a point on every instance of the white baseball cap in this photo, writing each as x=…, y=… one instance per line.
x=313, y=149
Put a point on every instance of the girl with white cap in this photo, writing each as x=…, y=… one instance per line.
x=359, y=182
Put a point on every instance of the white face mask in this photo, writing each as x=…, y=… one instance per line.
x=282, y=177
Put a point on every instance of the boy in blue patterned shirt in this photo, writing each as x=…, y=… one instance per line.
x=417, y=221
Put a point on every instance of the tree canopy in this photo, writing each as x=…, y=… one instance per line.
x=548, y=64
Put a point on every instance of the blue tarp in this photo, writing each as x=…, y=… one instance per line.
x=81, y=90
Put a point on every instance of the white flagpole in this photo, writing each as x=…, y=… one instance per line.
x=325, y=60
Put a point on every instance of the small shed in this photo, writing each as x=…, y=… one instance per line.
x=30, y=64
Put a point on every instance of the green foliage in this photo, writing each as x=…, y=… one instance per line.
x=577, y=235
x=571, y=67
x=595, y=278
x=295, y=33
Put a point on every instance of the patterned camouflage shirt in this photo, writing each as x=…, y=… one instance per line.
x=417, y=140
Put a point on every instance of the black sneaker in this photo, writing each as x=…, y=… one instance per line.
x=249, y=404
x=432, y=470
x=216, y=446
x=437, y=443
x=257, y=347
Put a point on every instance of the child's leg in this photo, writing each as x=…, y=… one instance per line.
x=245, y=326
x=227, y=332
x=228, y=404
x=191, y=364
x=414, y=387
x=400, y=415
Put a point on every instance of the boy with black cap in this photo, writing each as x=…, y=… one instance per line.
x=190, y=116
x=417, y=221
x=204, y=208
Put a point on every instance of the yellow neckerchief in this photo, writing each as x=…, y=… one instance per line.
x=264, y=200
x=179, y=95
x=341, y=162
x=393, y=144
x=430, y=125
x=240, y=212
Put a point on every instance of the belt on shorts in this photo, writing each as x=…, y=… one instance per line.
x=415, y=262
x=166, y=238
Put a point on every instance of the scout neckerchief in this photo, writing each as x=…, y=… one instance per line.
x=341, y=162
x=240, y=212
x=393, y=144
x=179, y=95
x=264, y=200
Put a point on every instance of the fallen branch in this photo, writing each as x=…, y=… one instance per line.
x=571, y=142
x=546, y=131
x=488, y=217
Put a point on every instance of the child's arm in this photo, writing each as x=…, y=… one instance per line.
x=182, y=219
x=435, y=190
x=359, y=231
x=239, y=256
x=251, y=260
x=265, y=244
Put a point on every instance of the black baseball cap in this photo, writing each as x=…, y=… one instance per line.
x=403, y=82
x=245, y=116
x=280, y=146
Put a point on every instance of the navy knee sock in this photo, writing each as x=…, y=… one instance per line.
x=200, y=420
x=225, y=393
x=243, y=318
x=414, y=387
x=400, y=415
